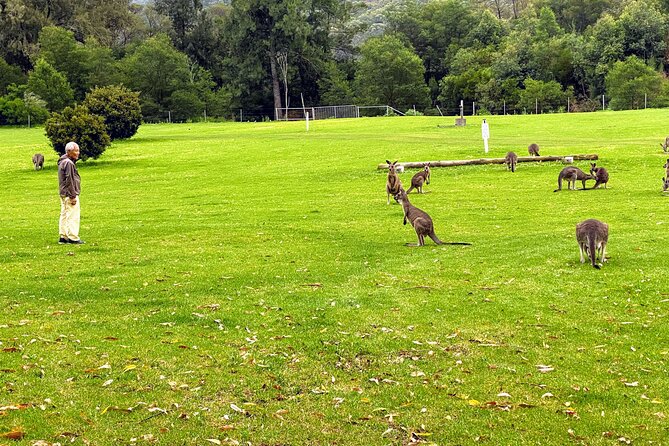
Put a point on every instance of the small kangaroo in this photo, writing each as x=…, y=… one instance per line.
x=421, y=222
x=601, y=175
x=533, y=150
x=665, y=146
x=592, y=236
x=511, y=159
x=666, y=166
x=572, y=174
x=393, y=185
x=38, y=161
x=665, y=184
x=419, y=178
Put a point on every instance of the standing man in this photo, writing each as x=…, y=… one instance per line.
x=69, y=184
x=485, y=133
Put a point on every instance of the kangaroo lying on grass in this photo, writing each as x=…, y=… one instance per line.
x=592, y=236
x=572, y=174
x=601, y=175
x=421, y=222
x=421, y=177
x=38, y=161
x=511, y=159
x=393, y=184
x=533, y=150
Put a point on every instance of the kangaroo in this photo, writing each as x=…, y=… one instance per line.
x=421, y=177
x=421, y=222
x=666, y=166
x=393, y=185
x=601, y=175
x=665, y=184
x=572, y=174
x=511, y=159
x=533, y=150
x=38, y=161
x=665, y=146
x=592, y=236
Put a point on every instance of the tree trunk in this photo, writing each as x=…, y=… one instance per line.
x=275, y=81
x=521, y=159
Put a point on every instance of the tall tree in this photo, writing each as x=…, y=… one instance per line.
x=47, y=83
x=630, y=83
x=58, y=47
x=183, y=14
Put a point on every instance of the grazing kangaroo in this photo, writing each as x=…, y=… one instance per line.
x=421, y=222
x=665, y=146
x=421, y=177
x=572, y=174
x=592, y=236
x=38, y=161
x=393, y=184
x=665, y=184
x=601, y=175
x=511, y=159
x=533, y=150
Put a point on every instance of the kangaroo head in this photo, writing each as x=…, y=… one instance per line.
x=593, y=167
x=401, y=196
x=392, y=167
x=665, y=184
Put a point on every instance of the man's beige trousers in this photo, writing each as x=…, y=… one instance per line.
x=69, y=218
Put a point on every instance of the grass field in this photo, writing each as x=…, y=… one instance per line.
x=246, y=283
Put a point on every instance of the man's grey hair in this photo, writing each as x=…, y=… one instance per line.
x=71, y=146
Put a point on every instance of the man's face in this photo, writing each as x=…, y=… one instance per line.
x=74, y=153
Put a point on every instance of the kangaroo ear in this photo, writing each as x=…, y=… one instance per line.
x=395, y=161
x=388, y=162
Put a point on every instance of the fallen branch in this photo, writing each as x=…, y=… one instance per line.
x=479, y=161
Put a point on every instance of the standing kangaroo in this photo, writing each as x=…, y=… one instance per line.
x=666, y=167
x=592, y=236
x=38, y=161
x=511, y=159
x=533, y=149
x=393, y=184
x=572, y=174
x=665, y=146
x=418, y=179
x=601, y=175
x=421, y=222
x=665, y=184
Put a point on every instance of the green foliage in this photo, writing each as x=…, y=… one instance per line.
x=78, y=125
x=58, y=47
x=546, y=96
x=389, y=73
x=629, y=82
x=50, y=85
x=119, y=107
x=185, y=105
x=645, y=30
x=9, y=74
x=335, y=89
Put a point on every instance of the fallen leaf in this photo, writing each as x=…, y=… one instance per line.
x=15, y=434
x=214, y=441
x=107, y=383
x=634, y=384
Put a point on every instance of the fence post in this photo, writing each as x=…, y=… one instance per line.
x=169, y=116
x=536, y=106
x=567, y=104
x=505, y=108
x=602, y=102
x=241, y=115
x=645, y=101
x=205, y=114
x=307, y=115
x=473, y=108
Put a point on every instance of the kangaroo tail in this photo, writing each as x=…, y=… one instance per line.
x=559, y=184
x=457, y=243
x=593, y=252
x=513, y=167
x=434, y=237
x=410, y=189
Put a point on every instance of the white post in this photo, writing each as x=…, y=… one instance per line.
x=505, y=108
x=602, y=102
x=473, y=108
x=485, y=134
x=307, y=115
x=414, y=110
x=536, y=106
x=567, y=104
x=440, y=111
x=169, y=116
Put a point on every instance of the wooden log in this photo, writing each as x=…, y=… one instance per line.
x=479, y=161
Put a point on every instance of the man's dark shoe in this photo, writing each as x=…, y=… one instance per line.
x=63, y=240
x=76, y=242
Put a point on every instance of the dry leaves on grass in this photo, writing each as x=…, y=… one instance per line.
x=15, y=434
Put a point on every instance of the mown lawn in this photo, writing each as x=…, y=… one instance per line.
x=247, y=283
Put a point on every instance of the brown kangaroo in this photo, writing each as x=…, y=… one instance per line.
x=420, y=220
x=666, y=167
x=511, y=159
x=592, y=236
x=601, y=175
x=38, y=161
x=533, y=149
x=665, y=146
x=393, y=184
x=419, y=178
x=665, y=184
x=572, y=174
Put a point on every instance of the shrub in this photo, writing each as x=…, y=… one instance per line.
x=78, y=125
x=119, y=107
x=185, y=105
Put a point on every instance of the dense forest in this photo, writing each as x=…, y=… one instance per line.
x=193, y=58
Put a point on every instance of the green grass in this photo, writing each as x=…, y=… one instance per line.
x=257, y=268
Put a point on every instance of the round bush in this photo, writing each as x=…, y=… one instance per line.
x=78, y=125
x=119, y=107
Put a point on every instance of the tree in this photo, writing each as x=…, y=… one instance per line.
x=77, y=124
x=9, y=74
x=183, y=15
x=629, y=83
x=156, y=69
x=58, y=47
x=645, y=29
x=547, y=96
x=50, y=85
x=119, y=107
x=389, y=73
